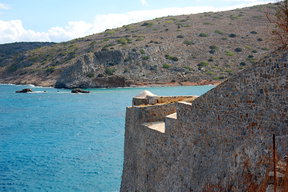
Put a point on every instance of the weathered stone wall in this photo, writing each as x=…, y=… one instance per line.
x=222, y=142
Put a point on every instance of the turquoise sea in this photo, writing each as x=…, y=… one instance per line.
x=57, y=141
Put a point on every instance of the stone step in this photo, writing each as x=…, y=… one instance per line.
x=157, y=126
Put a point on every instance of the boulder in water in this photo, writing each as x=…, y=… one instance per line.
x=25, y=91
x=77, y=90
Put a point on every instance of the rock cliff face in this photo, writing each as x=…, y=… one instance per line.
x=220, y=142
x=82, y=73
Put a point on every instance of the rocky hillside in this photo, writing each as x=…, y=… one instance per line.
x=10, y=50
x=188, y=48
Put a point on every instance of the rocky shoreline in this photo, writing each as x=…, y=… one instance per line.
x=145, y=84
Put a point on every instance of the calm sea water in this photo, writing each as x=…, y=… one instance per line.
x=58, y=141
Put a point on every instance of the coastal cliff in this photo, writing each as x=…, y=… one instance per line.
x=221, y=141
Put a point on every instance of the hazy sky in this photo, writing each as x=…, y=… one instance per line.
x=61, y=20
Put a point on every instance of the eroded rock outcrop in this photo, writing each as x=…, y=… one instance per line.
x=82, y=73
x=24, y=91
x=77, y=90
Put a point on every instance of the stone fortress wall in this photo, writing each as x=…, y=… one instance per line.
x=221, y=141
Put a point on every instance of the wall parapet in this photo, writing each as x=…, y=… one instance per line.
x=156, y=100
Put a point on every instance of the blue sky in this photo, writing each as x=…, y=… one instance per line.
x=62, y=20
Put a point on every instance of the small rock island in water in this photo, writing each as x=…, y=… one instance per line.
x=25, y=91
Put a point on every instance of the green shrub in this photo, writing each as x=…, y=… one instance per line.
x=203, y=64
x=141, y=38
x=242, y=64
x=253, y=32
x=145, y=57
x=210, y=59
x=229, y=53
x=212, y=51
x=100, y=75
x=122, y=41
x=238, y=50
x=110, y=31
x=203, y=35
x=259, y=39
x=188, y=68
x=219, y=78
x=210, y=73
x=169, y=21
x=180, y=36
x=50, y=69
x=147, y=24
x=207, y=23
x=166, y=66
x=232, y=35
x=90, y=75
x=110, y=70
x=219, y=32
x=213, y=47
x=228, y=71
x=142, y=51
x=186, y=42
x=172, y=58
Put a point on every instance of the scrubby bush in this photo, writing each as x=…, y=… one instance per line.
x=180, y=36
x=147, y=24
x=203, y=64
x=212, y=51
x=172, y=58
x=238, y=50
x=90, y=75
x=141, y=38
x=122, y=41
x=232, y=35
x=210, y=59
x=253, y=32
x=166, y=66
x=187, y=42
x=219, y=78
x=110, y=70
x=210, y=73
x=145, y=57
x=219, y=32
x=229, y=53
x=50, y=69
x=213, y=47
x=203, y=35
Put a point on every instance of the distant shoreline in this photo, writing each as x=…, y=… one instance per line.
x=203, y=82
x=136, y=85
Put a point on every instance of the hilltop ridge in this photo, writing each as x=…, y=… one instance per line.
x=192, y=48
